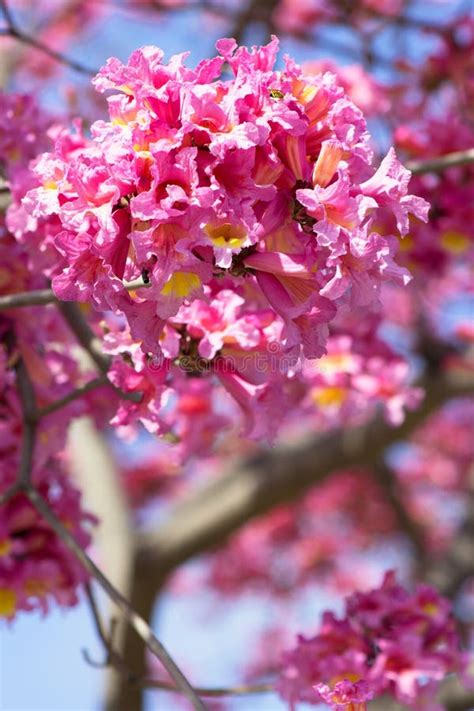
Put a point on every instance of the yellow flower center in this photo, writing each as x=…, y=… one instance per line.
x=7, y=602
x=430, y=608
x=327, y=397
x=181, y=284
x=5, y=547
x=406, y=243
x=455, y=242
x=334, y=363
x=226, y=235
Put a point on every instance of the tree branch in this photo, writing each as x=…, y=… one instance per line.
x=90, y=342
x=269, y=479
x=74, y=395
x=30, y=421
x=449, y=573
x=74, y=318
x=15, y=32
x=437, y=165
x=386, y=478
x=41, y=297
x=254, y=11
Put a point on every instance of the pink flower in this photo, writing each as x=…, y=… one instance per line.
x=395, y=642
x=346, y=695
x=389, y=187
x=332, y=208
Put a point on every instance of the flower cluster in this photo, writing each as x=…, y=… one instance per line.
x=28, y=131
x=243, y=209
x=390, y=641
x=35, y=566
x=358, y=373
x=261, y=184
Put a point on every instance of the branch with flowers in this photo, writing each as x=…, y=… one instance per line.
x=232, y=262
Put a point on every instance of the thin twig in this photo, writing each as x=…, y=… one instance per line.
x=8, y=15
x=92, y=385
x=418, y=24
x=386, y=478
x=84, y=334
x=134, y=620
x=437, y=165
x=91, y=344
x=74, y=318
x=30, y=421
x=39, y=297
x=74, y=395
x=95, y=613
x=53, y=54
x=10, y=493
x=114, y=659
x=15, y=32
x=213, y=691
x=42, y=297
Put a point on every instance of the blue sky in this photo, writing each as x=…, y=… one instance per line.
x=42, y=668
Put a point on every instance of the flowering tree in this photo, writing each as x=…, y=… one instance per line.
x=255, y=273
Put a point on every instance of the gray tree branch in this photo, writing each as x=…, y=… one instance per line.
x=276, y=477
